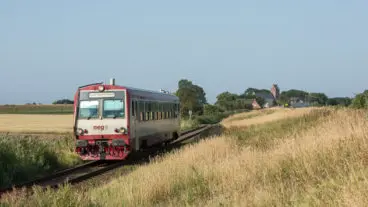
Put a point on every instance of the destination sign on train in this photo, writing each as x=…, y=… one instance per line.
x=101, y=95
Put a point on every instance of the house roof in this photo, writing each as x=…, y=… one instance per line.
x=265, y=95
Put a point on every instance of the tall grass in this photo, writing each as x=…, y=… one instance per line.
x=316, y=159
x=25, y=157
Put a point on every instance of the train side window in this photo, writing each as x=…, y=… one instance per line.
x=159, y=109
x=133, y=108
x=165, y=110
x=150, y=109
x=141, y=110
x=154, y=111
x=171, y=111
x=176, y=112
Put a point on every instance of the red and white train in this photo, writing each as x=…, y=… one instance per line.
x=111, y=121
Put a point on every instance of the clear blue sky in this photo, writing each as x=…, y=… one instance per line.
x=49, y=48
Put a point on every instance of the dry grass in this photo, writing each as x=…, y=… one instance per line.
x=22, y=123
x=319, y=159
x=263, y=116
x=322, y=165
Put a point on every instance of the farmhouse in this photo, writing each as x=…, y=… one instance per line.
x=269, y=97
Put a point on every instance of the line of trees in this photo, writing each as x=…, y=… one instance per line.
x=193, y=98
x=63, y=101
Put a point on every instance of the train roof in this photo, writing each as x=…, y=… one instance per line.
x=133, y=91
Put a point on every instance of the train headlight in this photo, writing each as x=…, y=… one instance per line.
x=79, y=131
x=101, y=88
x=123, y=130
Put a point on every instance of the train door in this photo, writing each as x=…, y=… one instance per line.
x=135, y=115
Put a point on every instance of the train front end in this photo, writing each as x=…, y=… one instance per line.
x=101, y=122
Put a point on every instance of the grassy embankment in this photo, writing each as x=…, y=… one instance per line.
x=23, y=157
x=295, y=157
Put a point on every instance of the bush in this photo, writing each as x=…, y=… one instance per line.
x=209, y=109
x=361, y=100
x=214, y=118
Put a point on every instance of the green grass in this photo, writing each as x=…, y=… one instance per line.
x=23, y=158
x=37, y=109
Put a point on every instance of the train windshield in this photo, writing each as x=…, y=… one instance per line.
x=113, y=109
x=88, y=109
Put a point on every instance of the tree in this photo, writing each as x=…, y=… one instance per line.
x=342, y=101
x=360, y=100
x=192, y=97
x=250, y=93
x=332, y=102
x=285, y=96
x=318, y=98
x=226, y=100
x=261, y=101
x=209, y=109
x=63, y=101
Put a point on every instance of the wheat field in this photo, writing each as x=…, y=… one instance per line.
x=32, y=123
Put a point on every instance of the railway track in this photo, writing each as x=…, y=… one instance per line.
x=94, y=168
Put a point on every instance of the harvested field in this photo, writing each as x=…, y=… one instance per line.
x=23, y=123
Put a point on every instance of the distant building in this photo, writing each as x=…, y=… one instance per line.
x=298, y=102
x=270, y=97
x=274, y=91
x=255, y=104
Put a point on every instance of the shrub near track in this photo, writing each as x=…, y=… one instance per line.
x=319, y=159
x=22, y=158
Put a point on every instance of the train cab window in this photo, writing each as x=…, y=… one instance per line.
x=113, y=109
x=88, y=109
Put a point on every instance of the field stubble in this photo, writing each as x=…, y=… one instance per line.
x=32, y=123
